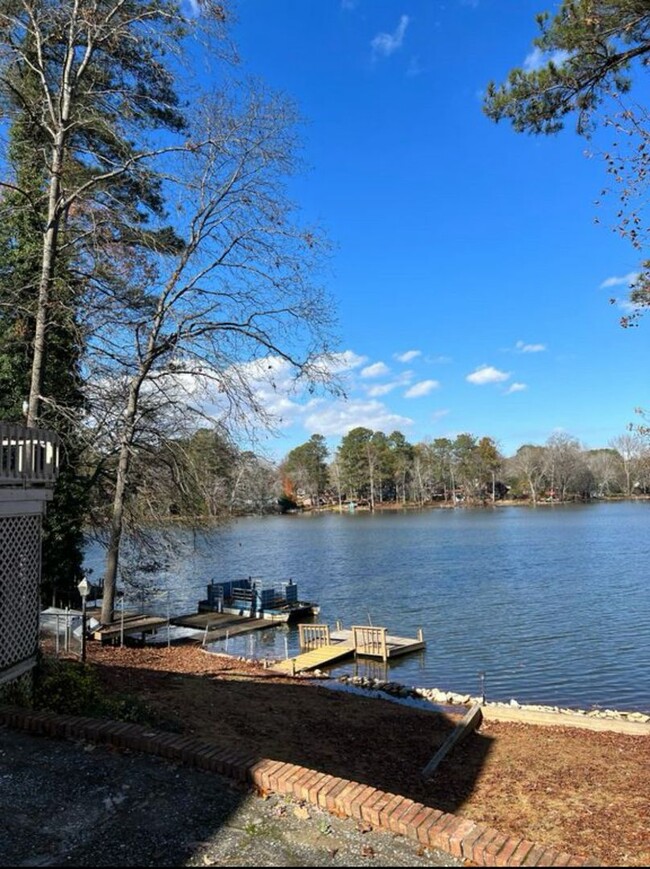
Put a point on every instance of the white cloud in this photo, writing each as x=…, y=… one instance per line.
x=377, y=369
x=339, y=417
x=530, y=348
x=623, y=281
x=486, y=374
x=440, y=414
x=628, y=307
x=516, y=387
x=408, y=356
x=345, y=361
x=385, y=44
x=538, y=58
x=424, y=387
x=274, y=388
x=381, y=389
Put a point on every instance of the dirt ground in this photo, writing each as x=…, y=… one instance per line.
x=581, y=792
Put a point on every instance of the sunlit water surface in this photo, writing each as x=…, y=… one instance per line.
x=551, y=604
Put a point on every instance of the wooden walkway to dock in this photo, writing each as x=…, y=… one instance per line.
x=322, y=647
x=315, y=658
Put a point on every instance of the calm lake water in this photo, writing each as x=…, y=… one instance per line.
x=552, y=604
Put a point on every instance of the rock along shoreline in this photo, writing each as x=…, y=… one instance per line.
x=447, y=698
x=444, y=699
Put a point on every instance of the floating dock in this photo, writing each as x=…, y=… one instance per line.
x=128, y=627
x=322, y=647
x=220, y=626
x=210, y=627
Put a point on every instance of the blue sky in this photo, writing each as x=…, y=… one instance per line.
x=468, y=270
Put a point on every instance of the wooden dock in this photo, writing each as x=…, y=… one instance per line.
x=374, y=642
x=128, y=627
x=315, y=658
x=322, y=647
x=246, y=626
x=210, y=627
x=220, y=626
x=201, y=621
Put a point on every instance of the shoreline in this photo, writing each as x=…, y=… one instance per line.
x=511, y=710
x=438, y=700
x=462, y=505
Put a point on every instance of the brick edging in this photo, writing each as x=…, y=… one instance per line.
x=453, y=834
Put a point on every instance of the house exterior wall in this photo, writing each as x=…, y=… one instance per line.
x=21, y=512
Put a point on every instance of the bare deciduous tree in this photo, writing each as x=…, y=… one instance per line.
x=92, y=78
x=211, y=319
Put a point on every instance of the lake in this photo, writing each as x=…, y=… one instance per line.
x=552, y=604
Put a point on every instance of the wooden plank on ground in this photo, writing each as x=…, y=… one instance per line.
x=468, y=724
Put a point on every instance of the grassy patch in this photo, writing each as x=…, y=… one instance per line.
x=72, y=688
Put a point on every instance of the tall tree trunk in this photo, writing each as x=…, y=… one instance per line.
x=47, y=272
x=117, y=517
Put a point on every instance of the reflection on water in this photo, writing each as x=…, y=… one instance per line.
x=553, y=604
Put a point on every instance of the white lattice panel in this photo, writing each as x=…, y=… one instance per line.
x=20, y=561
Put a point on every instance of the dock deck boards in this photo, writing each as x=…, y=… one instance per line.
x=323, y=647
x=199, y=621
x=128, y=627
x=395, y=645
x=220, y=626
x=315, y=658
x=244, y=626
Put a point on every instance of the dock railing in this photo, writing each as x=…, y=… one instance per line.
x=370, y=640
x=27, y=455
x=314, y=636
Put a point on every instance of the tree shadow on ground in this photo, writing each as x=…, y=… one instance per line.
x=374, y=742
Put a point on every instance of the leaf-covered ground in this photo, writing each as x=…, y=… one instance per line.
x=579, y=791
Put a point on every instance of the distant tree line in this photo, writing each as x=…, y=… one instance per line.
x=372, y=468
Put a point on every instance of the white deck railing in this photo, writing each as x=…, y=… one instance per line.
x=27, y=455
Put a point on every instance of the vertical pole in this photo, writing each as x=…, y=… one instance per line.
x=66, y=644
x=122, y=623
x=169, y=642
x=57, y=635
x=286, y=648
x=83, y=628
x=420, y=635
x=227, y=636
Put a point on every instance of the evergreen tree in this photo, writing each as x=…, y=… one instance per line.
x=77, y=83
x=20, y=257
x=586, y=54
